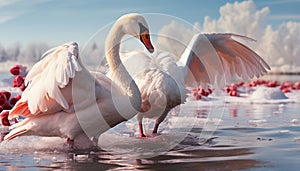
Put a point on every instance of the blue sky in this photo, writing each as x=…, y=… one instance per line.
x=59, y=21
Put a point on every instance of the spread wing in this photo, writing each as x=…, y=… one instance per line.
x=48, y=82
x=216, y=58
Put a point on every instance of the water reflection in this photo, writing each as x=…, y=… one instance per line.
x=237, y=144
x=184, y=156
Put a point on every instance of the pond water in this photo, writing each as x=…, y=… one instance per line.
x=199, y=135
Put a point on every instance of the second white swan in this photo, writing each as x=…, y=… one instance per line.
x=207, y=59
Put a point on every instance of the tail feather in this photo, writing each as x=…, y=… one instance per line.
x=19, y=129
x=21, y=109
x=14, y=133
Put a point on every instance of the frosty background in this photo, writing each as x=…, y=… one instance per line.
x=278, y=46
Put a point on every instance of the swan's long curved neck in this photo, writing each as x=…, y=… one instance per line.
x=113, y=58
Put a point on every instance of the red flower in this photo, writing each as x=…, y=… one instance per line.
x=233, y=93
x=4, y=118
x=15, y=99
x=272, y=84
x=7, y=106
x=18, y=81
x=3, y=99
x=198, y=97
x=297, y=85
x=286, y=90
x=6, y=93
x=15, y=70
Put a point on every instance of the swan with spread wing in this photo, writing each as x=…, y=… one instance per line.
x=209, y=59
x=48, y=104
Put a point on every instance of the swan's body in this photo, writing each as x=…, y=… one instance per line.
x=96, y=105
x=206, y=60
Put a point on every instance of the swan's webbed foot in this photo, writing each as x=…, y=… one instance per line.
x=158, y=121
x=155, y=130
x=142, y=135
x=154, y=134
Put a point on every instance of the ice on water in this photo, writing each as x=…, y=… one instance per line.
x=267, y=95
x=190, y=117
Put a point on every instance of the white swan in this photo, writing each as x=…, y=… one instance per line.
x=208, y=57
x=49, y=105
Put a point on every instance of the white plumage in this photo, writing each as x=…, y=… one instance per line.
x=64, y=99
x=46, y=82
x=209, y=59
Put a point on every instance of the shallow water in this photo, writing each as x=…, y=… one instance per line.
x=196, y=136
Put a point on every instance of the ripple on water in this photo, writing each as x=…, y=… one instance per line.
x=234, y=145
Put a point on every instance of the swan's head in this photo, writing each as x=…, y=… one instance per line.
x=136, y=25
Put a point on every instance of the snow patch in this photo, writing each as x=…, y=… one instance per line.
x=265, y=93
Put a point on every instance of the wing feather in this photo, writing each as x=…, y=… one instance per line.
x=47, y=81
x=219, y=55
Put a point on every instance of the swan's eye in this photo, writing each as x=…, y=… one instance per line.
x=142, y=28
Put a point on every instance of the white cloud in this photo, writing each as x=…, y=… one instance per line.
x=8, y=13
x=7, y=2
x=280, y=48
x=175, y=37
x=242, y=18
x=5, y=19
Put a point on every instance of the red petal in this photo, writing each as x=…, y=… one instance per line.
x=3, y=99
x=4, y=118
x=7, y=106
x=15, y=70
x=18, y=81
x=15, y=99
x=6, y=93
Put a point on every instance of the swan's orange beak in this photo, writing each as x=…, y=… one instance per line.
x=145, y=38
